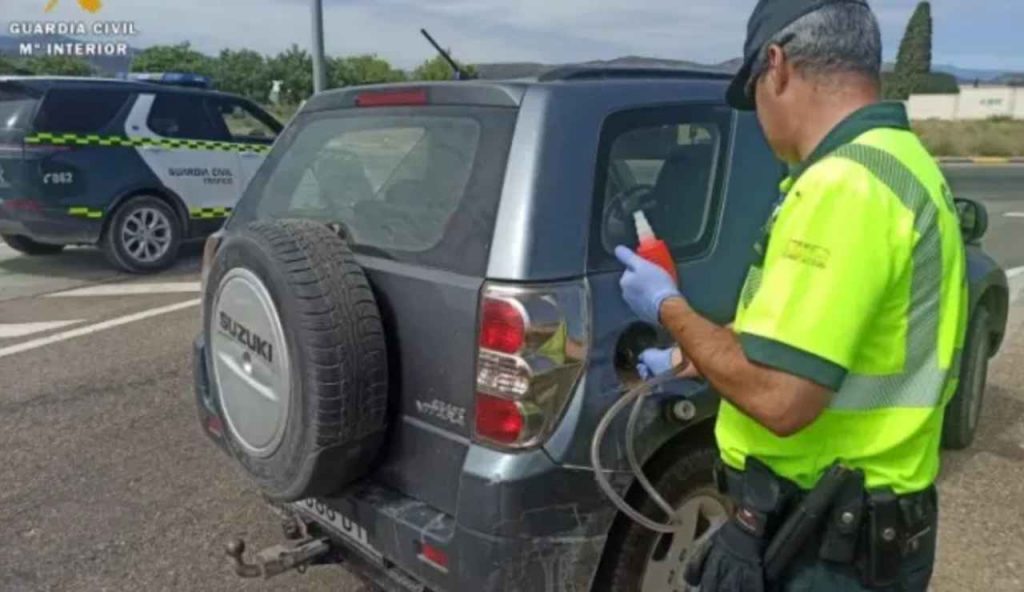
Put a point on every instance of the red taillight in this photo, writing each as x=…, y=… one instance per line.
x=502, y=328
x=392, y=98
x=434, y=556
x=498, y=420
x=533, y=343
x=24, y=205
x=215, y=426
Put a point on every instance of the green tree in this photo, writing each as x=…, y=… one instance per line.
x=173, y=58
x=8, y=66
x=243, y=72
x=294, y=68
x=58, y=66
x=914, y=61
x=938, y=83
x=361, y=69
x=437, y=68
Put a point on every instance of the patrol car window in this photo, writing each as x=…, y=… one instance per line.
x=418, y=185
x=243, y=123
x=81, y=111
x=182, y=116
x=16, y=107
x=666, y=162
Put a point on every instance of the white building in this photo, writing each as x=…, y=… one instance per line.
x=973, y=102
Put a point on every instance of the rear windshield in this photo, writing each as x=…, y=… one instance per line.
x=16, y=107
x=79, y=110
x=419, y=185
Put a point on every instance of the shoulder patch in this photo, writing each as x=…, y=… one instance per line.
x=807, y=253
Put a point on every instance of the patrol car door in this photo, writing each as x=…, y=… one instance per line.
x=251, y=129
x=188, y=151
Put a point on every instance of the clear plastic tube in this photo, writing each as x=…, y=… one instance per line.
x=635, y=395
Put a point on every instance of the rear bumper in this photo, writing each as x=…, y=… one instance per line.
x=49, y=225
x=543, y=531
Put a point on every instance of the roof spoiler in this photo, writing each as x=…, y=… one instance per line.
x=585, y=72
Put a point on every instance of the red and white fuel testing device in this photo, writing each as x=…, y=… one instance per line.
x=653, y=248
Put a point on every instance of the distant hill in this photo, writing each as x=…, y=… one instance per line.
x=524, y=70
x=1010, y=79
x=971, y=74
x=10, y=47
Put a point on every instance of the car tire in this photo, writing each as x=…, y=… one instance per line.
x=640, y=560
x=143, y=236
x=297, y=354
x=963, y=412
x=25, y=245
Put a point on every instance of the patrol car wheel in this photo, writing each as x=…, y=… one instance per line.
x=297, y=355
x=25, y=245
x=964, y=410
x=641, y=560
x=144, y=235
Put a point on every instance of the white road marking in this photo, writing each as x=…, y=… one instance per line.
x=129, y=290
x=90, y=329
x=11, y=330
x=1014, y=214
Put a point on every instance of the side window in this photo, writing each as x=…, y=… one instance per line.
x=667, y=162
x=182, y=116
x=244, y=124
x=79, y=111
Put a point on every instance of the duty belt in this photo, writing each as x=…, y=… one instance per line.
x=874, y=530
x=728, y=479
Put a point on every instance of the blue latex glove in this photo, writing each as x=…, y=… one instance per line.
x=654, y=362
x=644, y=285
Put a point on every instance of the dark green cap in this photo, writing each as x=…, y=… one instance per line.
x=770, y=17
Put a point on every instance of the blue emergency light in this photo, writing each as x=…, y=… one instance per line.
x=171, y=78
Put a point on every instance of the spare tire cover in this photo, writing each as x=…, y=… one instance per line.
x=297, y=355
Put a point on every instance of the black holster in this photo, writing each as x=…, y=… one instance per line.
x=897, y=526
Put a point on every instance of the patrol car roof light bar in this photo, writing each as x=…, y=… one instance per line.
x=186, y=79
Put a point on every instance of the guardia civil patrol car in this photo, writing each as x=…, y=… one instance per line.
x=134, y=166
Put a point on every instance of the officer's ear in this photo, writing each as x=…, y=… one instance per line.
x=779, y=70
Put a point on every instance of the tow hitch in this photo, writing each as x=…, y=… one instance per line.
x=277, y=559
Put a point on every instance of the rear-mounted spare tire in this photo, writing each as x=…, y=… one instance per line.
x=296, y=351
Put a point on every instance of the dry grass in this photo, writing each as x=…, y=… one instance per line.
x=993, y=137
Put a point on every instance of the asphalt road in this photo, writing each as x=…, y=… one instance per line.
x=1001, y=190
x=106, y=482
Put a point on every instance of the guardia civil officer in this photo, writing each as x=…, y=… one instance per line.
x=847, y=334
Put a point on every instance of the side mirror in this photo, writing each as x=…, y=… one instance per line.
x=973, y=219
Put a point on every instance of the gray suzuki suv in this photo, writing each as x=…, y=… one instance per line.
x=412, y=325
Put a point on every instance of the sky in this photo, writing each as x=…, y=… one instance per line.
x=968, y=33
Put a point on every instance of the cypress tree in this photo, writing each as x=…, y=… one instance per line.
x=914, y=61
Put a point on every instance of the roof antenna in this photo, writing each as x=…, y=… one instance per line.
x=460, y=74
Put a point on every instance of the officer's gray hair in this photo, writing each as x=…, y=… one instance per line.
x=839, y=38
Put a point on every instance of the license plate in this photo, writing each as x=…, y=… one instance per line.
x=339, y=524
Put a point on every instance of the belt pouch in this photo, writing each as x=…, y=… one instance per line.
x=884, y=544
x=842, y=531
